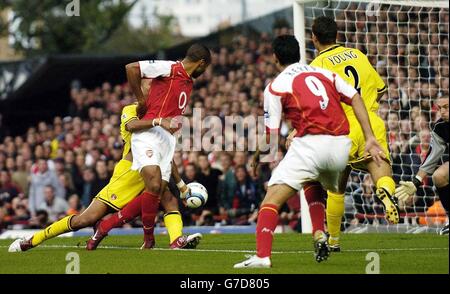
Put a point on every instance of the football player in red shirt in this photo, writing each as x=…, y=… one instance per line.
x=153, y=149
x=311, y=99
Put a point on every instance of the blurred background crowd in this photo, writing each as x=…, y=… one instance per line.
x=56, y=168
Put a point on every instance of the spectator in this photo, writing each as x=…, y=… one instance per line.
x=364, y=200
x=88, y=187
x=413, y=59
x=209, y=177
x=39, y=180
x=246, y=200
x=20, y=173
x=56, y=207
x=424, y=146
x=190, y=173
x=40, y=220
x=101, y=178
x=66, y=181
x=227, y=183
x=3, y=218
x=8, y=190
x=74, y=205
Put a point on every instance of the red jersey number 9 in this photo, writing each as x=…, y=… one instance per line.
x=318, y=89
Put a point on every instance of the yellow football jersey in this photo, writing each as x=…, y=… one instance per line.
x=128, y=113
x=124, y=185
x=354, y=67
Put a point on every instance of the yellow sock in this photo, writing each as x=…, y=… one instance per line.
x=335, y=212
x=174, y=224
x=57, y=228
x=386, y=183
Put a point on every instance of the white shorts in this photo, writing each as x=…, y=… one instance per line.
x=155, y=146
x=319, y=158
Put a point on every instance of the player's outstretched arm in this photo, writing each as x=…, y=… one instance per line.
x=136, y=125
x=407, y=189
x=134, y=80
x=372, y=146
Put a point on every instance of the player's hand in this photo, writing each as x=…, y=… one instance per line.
x=405, y=191
x=141, y=110
x=375, y=150
x=166, y=123
x=184, y=192
x=290, y=138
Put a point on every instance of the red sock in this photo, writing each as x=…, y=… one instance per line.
x=128, y=213
x=267, y=222
x=149, y=209
x=314, y=195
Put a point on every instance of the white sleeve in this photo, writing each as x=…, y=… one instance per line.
x=343, y=87
x=155, y=68
x=272, y=109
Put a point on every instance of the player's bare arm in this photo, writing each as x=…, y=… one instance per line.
x=184, y=189
x=136, y=125
x=290, y=137
x=134, y=80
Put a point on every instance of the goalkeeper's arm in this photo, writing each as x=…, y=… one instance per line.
x=409, y=188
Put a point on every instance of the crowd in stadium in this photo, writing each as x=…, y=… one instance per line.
x=57, y=168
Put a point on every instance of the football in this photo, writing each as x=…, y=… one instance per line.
x=198, y=195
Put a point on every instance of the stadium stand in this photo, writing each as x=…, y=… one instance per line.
x=76, y=154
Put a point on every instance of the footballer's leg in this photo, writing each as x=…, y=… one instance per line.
x=119, y=194
x=440, y=180
x=382, y=175
x=150, y=202
x=174, y=224
x=89, y=217
x=276, y=196
x=335, y=211
x=335, y=201
x=125, y=215
x=315, y=197
x=385, y=188
x=148, y=199
x=172, y=217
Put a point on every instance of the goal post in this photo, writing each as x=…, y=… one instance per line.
x=407, y=43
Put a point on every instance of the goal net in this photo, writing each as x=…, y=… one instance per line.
x=407, y=43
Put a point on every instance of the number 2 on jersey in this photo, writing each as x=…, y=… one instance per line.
x=350, y=69
x=318, y=89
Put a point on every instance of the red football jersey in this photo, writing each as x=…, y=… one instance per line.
x=170, y=88
x=310, y=98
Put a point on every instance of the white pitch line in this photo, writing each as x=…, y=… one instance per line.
x=240, y=251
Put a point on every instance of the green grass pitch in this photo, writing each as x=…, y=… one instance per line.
x=398, y=253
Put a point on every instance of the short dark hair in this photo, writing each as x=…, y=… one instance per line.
x=286, y=49
x=50, y=186
x=198, y=52
x=325, y=29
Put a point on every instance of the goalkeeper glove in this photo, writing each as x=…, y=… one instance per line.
x=407, y=189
